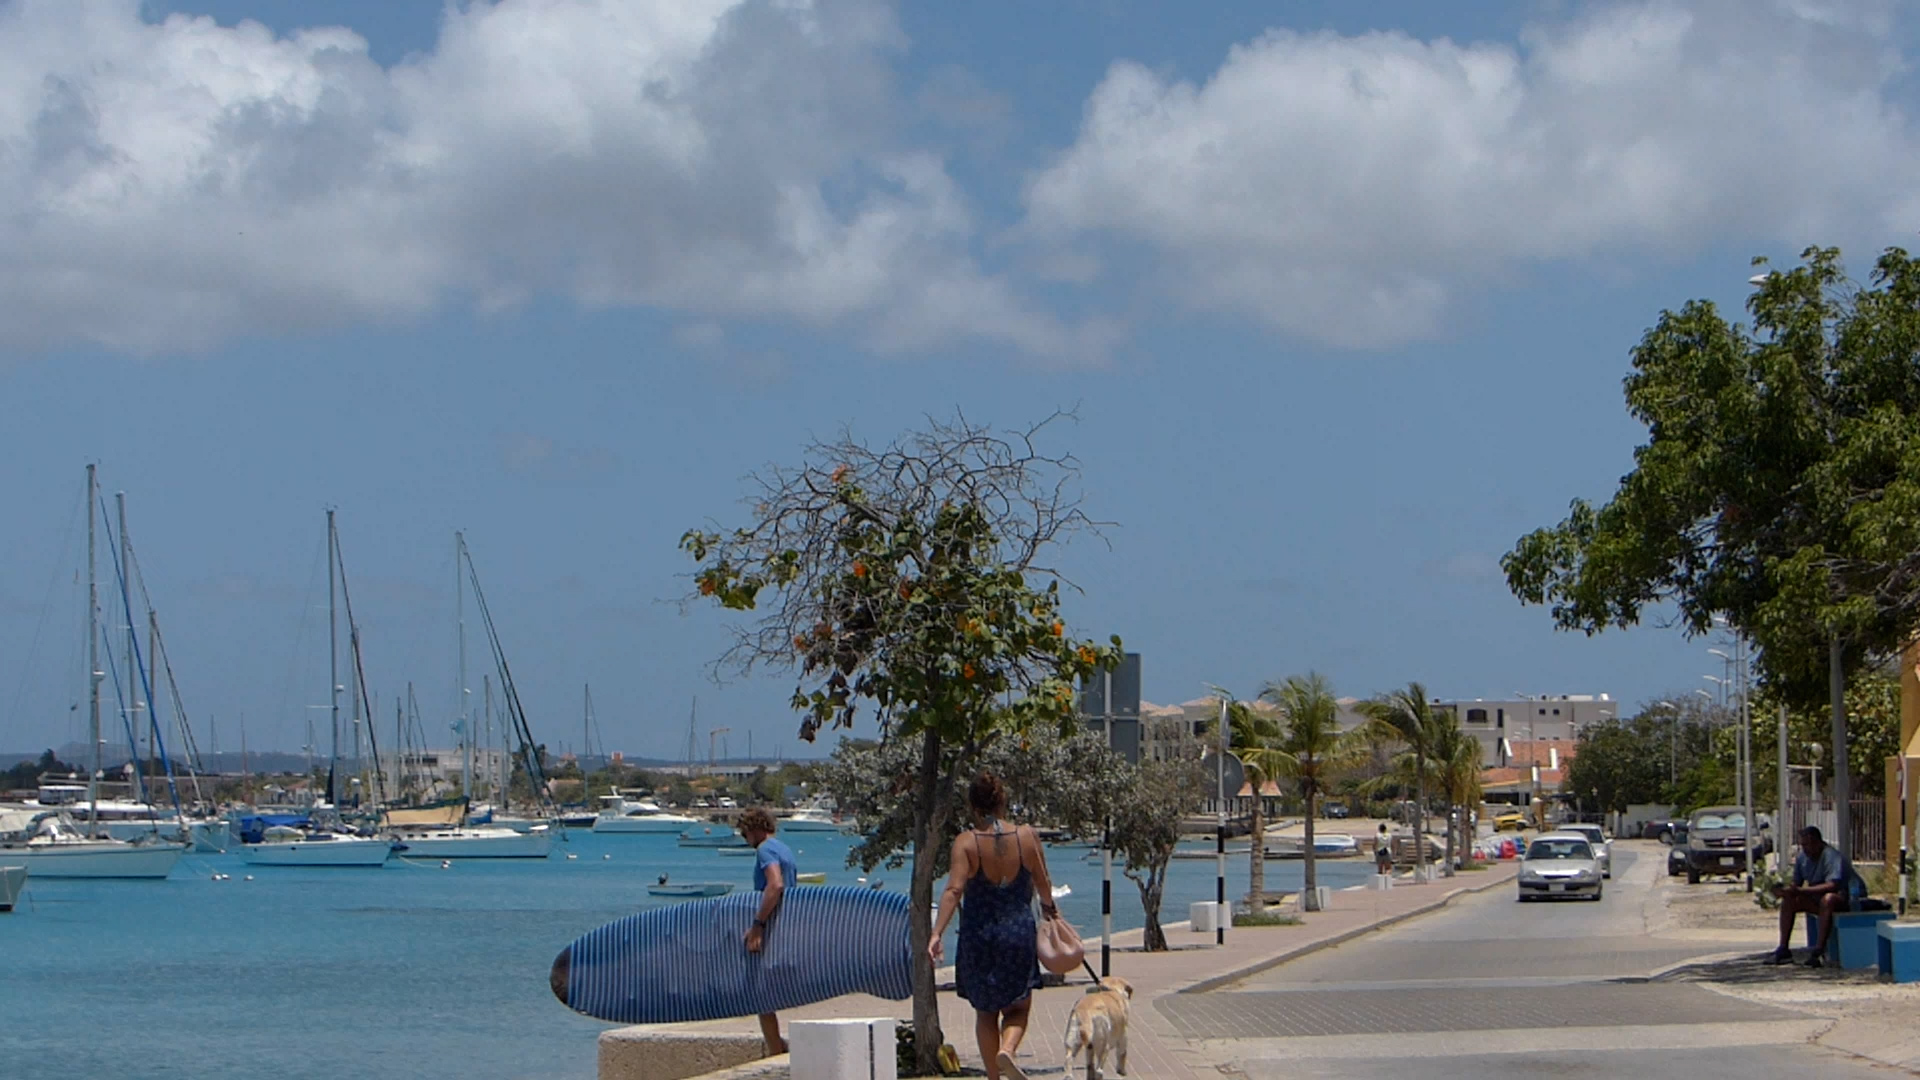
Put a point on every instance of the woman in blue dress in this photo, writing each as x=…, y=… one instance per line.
x=997, y=870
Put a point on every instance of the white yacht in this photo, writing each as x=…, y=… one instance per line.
x=13, y=881
x=50, y=845
x=285, y=845
x=475, y=842
x=814, y=817
x=618, y=814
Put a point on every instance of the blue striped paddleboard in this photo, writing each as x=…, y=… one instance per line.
x=690, y=961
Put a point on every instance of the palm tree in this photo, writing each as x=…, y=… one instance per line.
x=1456, y=759
x=1253, y=736
x=1408, y=716
x=1311, y=750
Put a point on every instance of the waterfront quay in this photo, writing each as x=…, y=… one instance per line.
x=1453, y=978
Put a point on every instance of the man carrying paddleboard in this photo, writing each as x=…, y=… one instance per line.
x=773, y=871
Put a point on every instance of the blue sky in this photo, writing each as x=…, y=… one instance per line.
x=1342, y=295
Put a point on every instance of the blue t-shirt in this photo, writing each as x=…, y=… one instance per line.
x=1828, y=868
x=770, y=852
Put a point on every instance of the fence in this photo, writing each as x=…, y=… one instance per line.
x=1868, y=825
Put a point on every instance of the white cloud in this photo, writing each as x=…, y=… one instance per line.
x=175, y=185
x=1350, y=189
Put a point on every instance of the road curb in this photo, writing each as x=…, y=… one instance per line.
x=1215, y=982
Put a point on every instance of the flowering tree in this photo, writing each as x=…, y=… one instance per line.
x=909, y=579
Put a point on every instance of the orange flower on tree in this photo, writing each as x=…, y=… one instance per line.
x=967, y=672
x=1059, y=628
x=1087, y=655
x=859, y=569
x=840, y=473
x=706, y=586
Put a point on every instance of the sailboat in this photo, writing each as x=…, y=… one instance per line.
x=445, y=833
x=301, y=840
x=49, y=843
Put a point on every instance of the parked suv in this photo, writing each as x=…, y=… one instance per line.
x=1716, y=842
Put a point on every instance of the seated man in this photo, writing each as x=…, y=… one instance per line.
x=1820, y=887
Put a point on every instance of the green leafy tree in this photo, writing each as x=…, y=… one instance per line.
x=1620, y=762
x=1776, y=485
x=910, y=579
x=1409, y=716
x=1156, y=796
x=1311, y=750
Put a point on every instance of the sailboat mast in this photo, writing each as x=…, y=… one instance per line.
x=493, y=771
x=460, y=690
x=94, y=674
x=586, y=734
x=333, y=662
x=135, y=732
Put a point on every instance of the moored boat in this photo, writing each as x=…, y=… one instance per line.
x=49, y=845
x=814, y=817
x=691, y=888
x=618, y=814
x=286, y=845
x=475, y=842
x=710, y=838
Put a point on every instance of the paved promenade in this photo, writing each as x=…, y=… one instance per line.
x=1157, y=1047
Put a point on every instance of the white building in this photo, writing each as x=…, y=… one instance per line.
x=1500, y=723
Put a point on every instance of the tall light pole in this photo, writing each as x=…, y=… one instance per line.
x=1673, y=741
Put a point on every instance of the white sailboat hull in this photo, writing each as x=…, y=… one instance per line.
x=648, y=823
x=339, y=851
x=210, y=837
x=478, y=843
x=13, y=881
x=95, y=859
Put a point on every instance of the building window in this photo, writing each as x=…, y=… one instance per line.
x=1476, y=716
x=1556, y=712
x=1500, y=718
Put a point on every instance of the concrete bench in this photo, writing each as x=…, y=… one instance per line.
x=1854, y=945
x=1899, y=951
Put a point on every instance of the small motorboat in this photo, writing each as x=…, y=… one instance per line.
x=690, y=888
x=707, y=837
x=816, y=878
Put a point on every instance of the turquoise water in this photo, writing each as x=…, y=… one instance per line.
x=400, y=972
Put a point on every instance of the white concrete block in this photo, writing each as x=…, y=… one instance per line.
x=1382, y=882
x=1208, y=916
x=860, y=1049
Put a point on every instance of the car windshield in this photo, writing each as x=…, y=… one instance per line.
x=1559, y=849
x=1591, y=832
x=1734, y=820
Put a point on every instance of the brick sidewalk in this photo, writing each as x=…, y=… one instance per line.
x=1194, y=964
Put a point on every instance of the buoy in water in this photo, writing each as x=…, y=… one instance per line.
x=249, y=877
x=571, y=855
x=606, y=856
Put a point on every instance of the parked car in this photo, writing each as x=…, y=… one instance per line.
x=1336, y=811
x=1677, y=860
x=1510, y=822
x=1716, y=842
x=1560, y=864
x=1602, y=851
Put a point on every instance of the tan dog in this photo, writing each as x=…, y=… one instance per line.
x=1099, y=1026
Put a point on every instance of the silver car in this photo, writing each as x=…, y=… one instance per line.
x=1560, y=864
x=1602, y=851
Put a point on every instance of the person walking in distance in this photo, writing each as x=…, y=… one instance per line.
x=773, y=871
x=1383, y=850
x=997, y=871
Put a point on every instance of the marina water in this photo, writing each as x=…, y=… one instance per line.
x=405, y=971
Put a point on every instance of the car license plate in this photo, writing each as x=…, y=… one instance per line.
x=1726, y=860
x=1556, y=888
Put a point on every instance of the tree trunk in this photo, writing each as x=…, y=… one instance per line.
x=1152, y=889
x=1451, y=826
x=1420, y=828
x=1837, y=689
x=1257, y=855
x=1309, y=900
x=928, y=817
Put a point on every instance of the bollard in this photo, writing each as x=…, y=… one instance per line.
x=842, y=1049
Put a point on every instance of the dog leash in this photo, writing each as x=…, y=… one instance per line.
x=1090, y=972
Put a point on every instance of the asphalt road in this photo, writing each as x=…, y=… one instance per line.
x=1490, y=988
